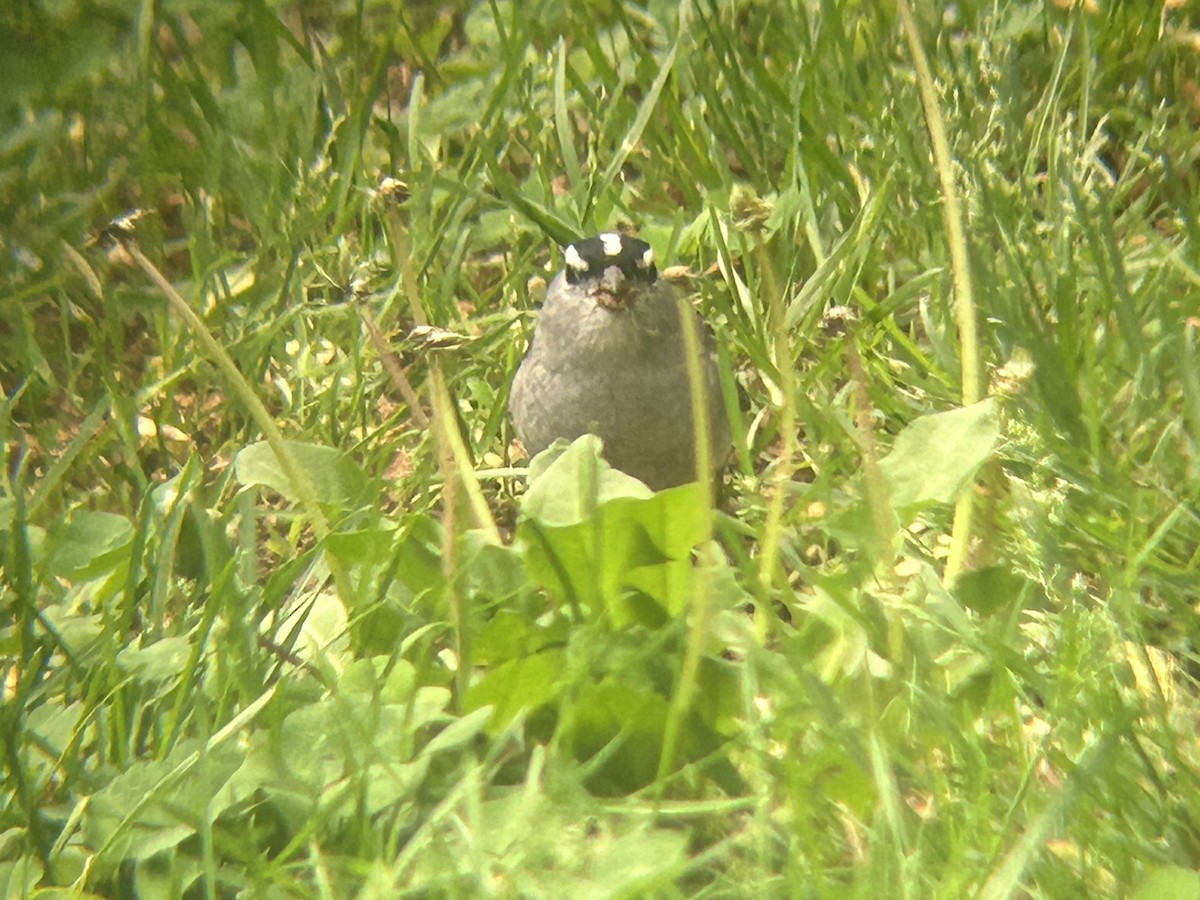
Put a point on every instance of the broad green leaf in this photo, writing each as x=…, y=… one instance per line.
x=55, y=725
x=593, y=536
x=369, y=677
x=364, y=546
x=171, y=815
x=517, y=685
x=1169, y=883
x=394, y=781
x=77, y=631
x=632, y=715
x=489, y=570
x=638, y=856
x=567, y=483
x=510, y=634
x=322, y=621
x=315, y=741
x=19, y=877
x=935, y=456
x=158, y=661
x=167, y=873
x=338, y=479
x=89, y=545
x=419, y=555
x=458, y=732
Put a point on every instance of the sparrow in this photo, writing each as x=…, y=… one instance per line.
x=608, y=358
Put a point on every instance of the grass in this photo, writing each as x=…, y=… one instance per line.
x=358, y=660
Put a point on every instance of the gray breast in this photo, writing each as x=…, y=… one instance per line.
x=618, y=374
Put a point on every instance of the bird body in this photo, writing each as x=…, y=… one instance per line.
x=608, y=358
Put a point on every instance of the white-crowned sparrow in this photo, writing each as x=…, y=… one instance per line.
x=608, y=359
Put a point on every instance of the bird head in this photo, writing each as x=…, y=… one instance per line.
x=612, y=267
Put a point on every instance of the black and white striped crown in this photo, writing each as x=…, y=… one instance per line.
x=589, y=258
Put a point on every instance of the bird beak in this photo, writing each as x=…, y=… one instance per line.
x=614, y=291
